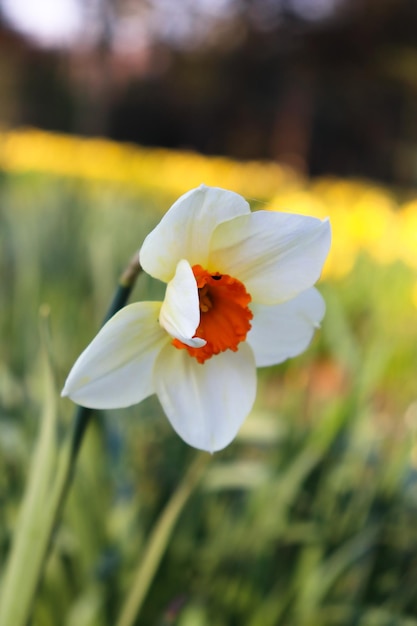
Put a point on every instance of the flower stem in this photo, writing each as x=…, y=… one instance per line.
x=158, y=541
x=125, y=285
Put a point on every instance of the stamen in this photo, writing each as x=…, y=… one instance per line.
x=225, y=315
x=205, y=301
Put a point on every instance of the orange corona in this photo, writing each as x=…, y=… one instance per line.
x=224, y=314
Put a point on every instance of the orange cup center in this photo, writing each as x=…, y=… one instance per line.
x=224, y=314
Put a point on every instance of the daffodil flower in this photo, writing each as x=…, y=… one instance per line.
x=239, y=296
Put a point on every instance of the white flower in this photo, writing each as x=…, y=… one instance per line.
x=239, y=296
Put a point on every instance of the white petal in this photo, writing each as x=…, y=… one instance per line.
x=185, y=231
x=275, y=255
x=284, y=330
x=180, y=311
x=206, y=403
x=115, y=370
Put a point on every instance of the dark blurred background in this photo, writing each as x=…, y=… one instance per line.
x=326, y=86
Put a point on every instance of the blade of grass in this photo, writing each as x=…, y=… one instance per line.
x=20, y=579
x=158, y=541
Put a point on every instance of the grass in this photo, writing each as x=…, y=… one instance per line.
x=308, y=519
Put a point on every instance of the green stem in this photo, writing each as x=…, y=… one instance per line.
x=120, y=298
x=158, y=541
x=83, y=415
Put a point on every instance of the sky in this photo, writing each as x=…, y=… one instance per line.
x=48, y=22
x=60, y=23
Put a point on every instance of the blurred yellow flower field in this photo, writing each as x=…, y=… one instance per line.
x=145, y=168
x=365, y=217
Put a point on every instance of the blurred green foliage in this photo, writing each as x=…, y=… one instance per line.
x=307, y=519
